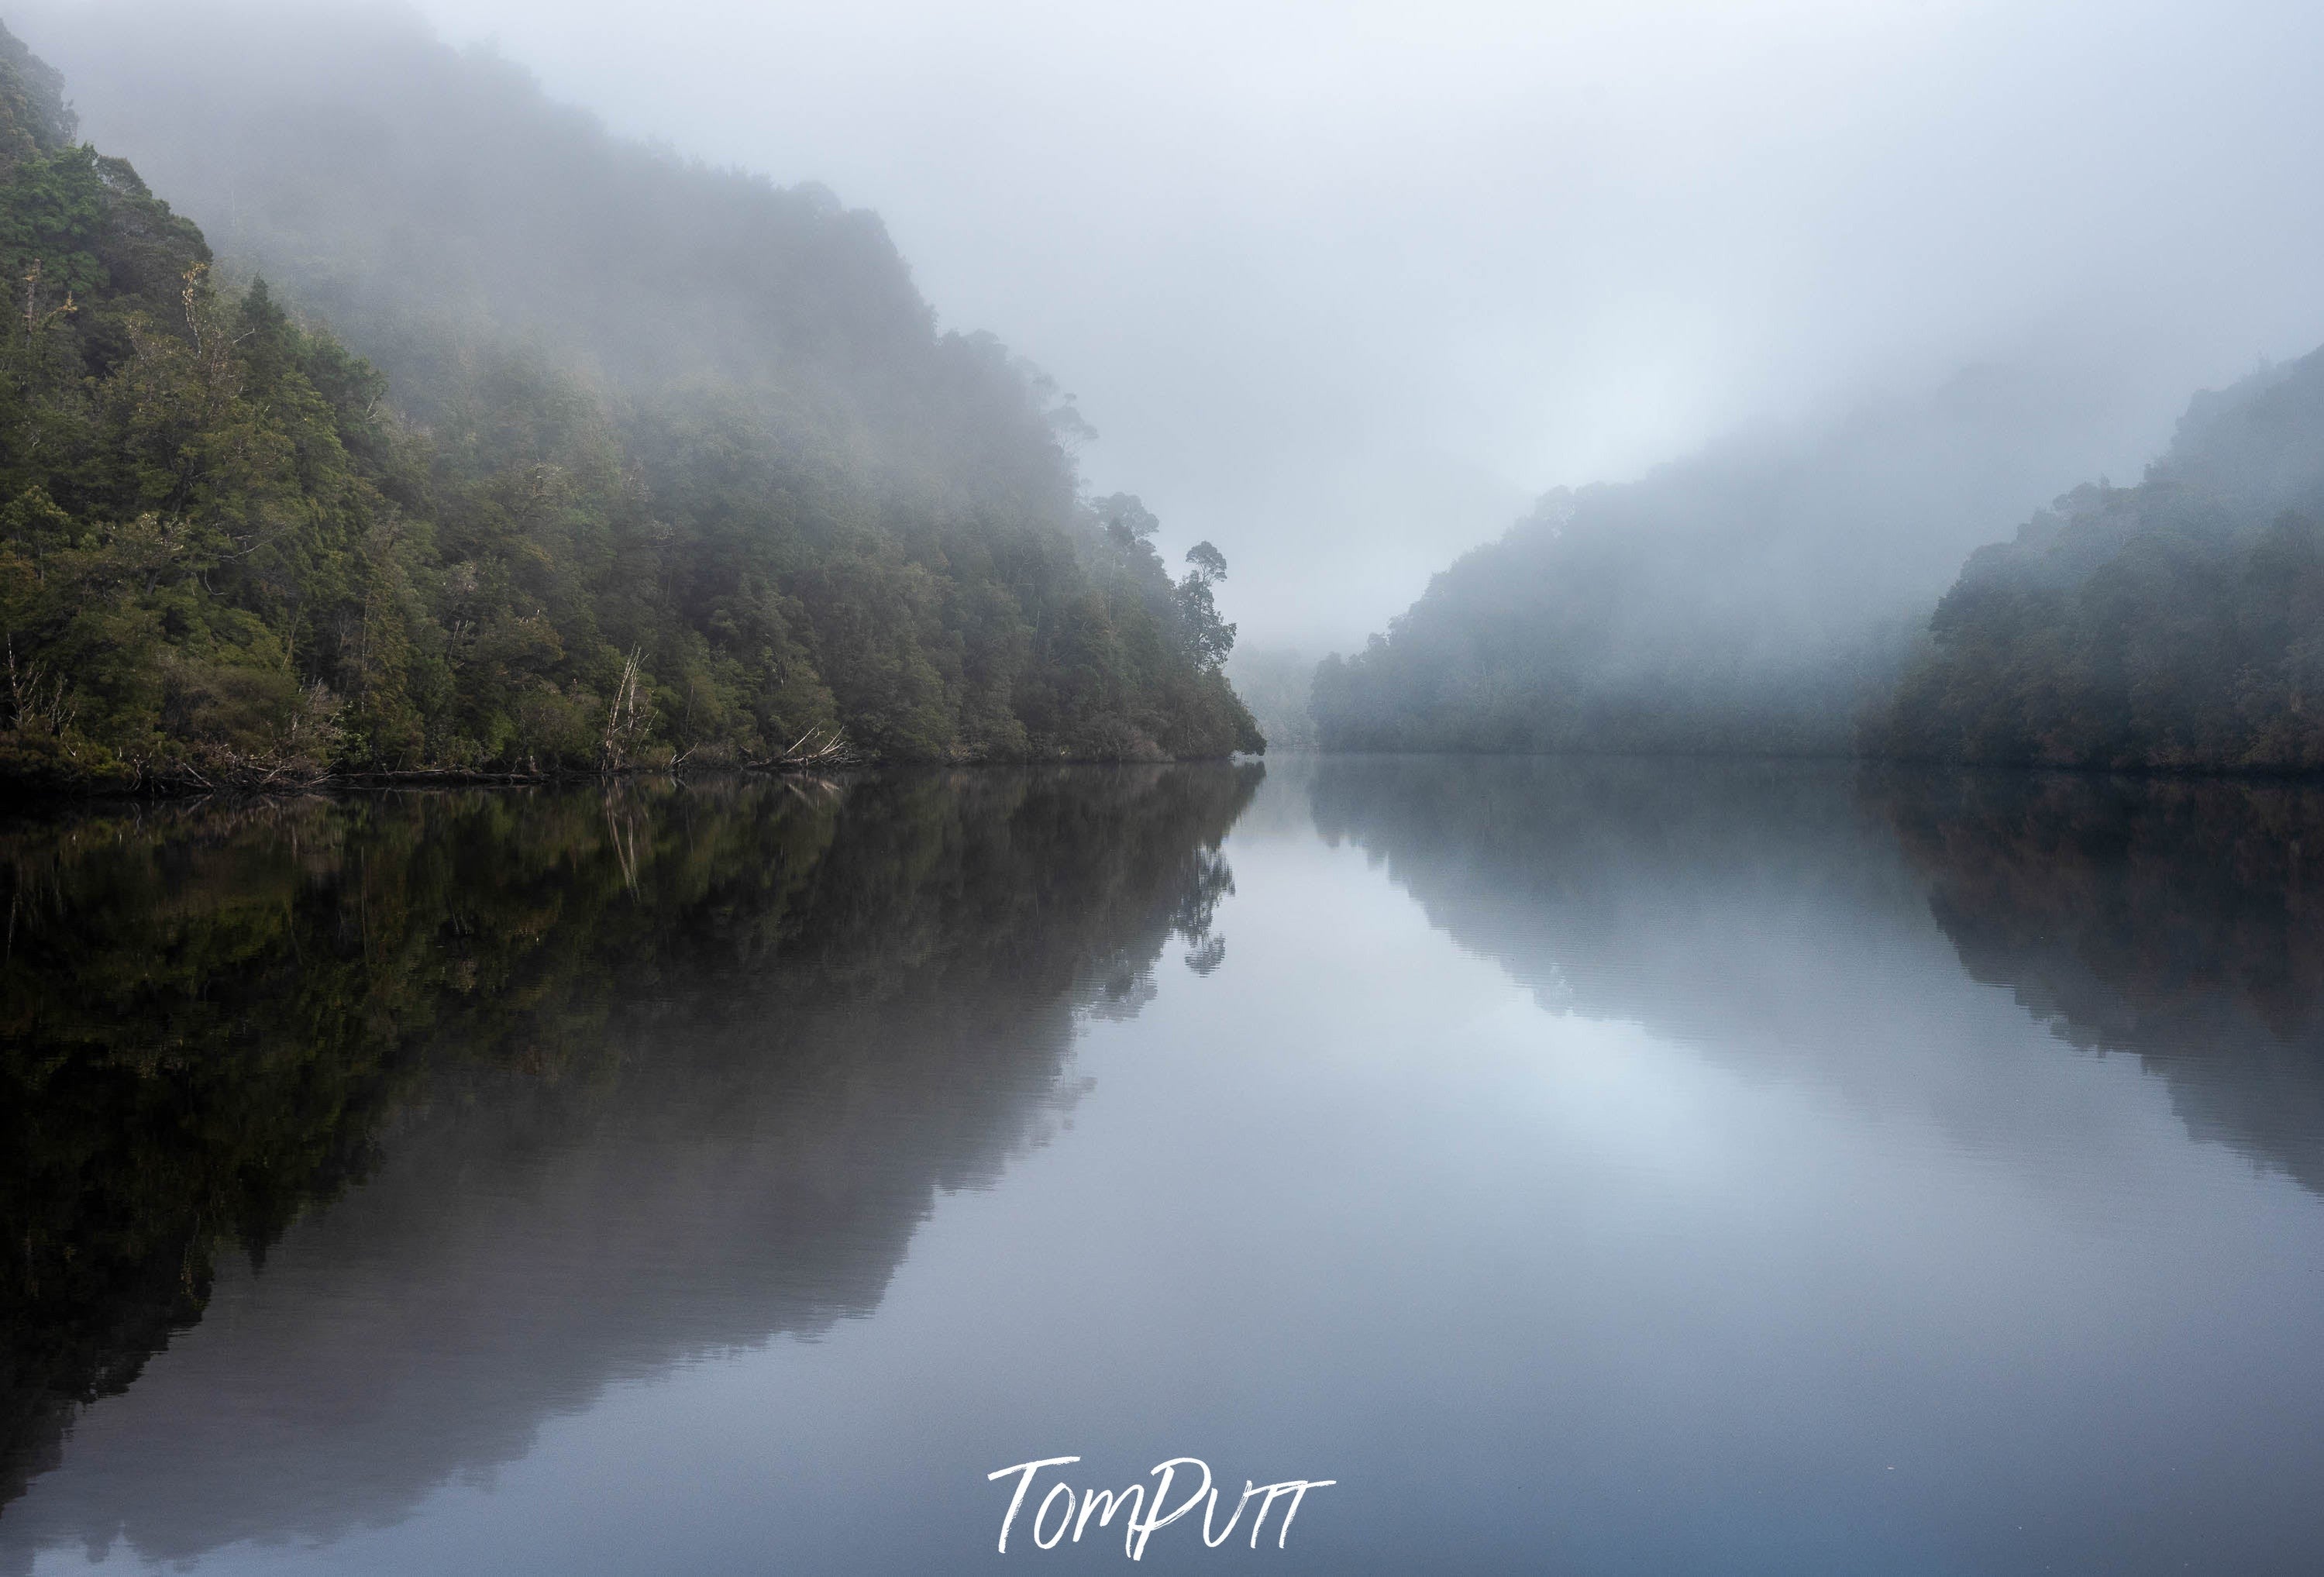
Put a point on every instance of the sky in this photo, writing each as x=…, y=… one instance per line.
x=1342, y=287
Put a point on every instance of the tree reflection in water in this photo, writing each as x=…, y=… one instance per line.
x=1777, y=914
x=828, y=1001
x=2179, y=919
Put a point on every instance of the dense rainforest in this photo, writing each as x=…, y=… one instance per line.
x=1750, y=599
x=664, y=462
x=232, y=549
x=1734, y=605
x=2176, y=623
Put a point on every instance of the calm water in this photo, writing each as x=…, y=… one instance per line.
x=1593, y=1168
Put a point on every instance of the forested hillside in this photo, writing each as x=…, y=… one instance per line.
x=1750, y=599
x=2176, y=623
x=651, y=464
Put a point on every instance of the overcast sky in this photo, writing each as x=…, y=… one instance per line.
x=1342, y=286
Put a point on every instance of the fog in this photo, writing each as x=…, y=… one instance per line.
x=1343, y=288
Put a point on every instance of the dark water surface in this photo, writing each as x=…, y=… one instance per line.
x=1594, y=1167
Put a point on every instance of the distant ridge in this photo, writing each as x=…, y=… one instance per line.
x=1752, y=599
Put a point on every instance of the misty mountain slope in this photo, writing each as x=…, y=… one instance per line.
x=425, y=200
x=1750, y=599
x=227, y=553
x=2176, y=623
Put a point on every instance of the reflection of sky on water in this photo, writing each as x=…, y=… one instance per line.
x=1771, y=1243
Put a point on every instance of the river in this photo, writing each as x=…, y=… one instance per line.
x=1585, y=1167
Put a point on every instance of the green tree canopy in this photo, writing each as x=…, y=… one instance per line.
x=230, y=550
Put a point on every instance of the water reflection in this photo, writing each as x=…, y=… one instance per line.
x=1770, y=912
x=2181, y=919
x=638, y=1074
x=2088, y=1350
x=1909, y=1174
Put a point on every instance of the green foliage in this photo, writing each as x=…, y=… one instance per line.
x=225, y=558
x=33, y=116
x=2178, y=624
